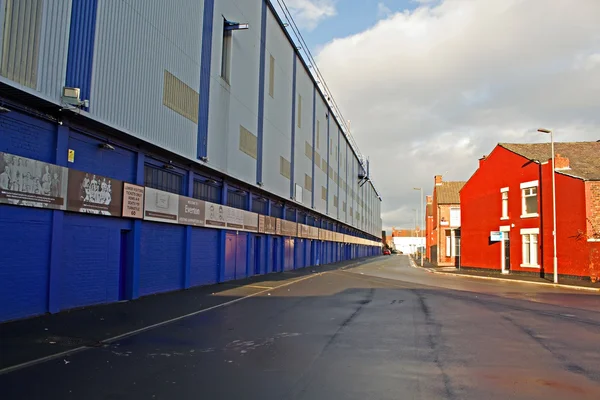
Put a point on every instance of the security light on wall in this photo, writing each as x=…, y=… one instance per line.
x=236, y=26
x=72, y=96
x=106, y=146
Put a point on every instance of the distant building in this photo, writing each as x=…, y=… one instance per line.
x=445, y=246
x=511, y=192
x=407, y=241
x=429, y=237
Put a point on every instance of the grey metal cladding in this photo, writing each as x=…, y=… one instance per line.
x=21, y=41
x=54, y=46
x=135, y=42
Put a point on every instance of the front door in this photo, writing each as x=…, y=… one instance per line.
x=506, y=243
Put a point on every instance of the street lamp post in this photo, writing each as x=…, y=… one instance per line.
x=555, y=260
x=425, y=223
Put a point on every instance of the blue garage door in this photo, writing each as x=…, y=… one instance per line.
x=162, y=258
x=299, y=253
x=241, y=255
x=25, y=235
x=308, y=253
x=288, y=262
x=204, y=269
x=276, y=254
x=91, y=260
x=260, y=255
x=235, y=256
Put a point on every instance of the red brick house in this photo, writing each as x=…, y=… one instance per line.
x=429, y=238
x=511, y=192
x=446, y=227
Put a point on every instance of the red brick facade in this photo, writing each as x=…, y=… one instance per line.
x=445, y=236
x=577, y=210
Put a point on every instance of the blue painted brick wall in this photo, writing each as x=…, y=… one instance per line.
x=118, y=164
x=204, y=256
x=162, y=258
x=24, y=254
x=91, y=260
x=28, y=137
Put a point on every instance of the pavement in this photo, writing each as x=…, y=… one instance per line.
x=574, y=283
x=376, y=329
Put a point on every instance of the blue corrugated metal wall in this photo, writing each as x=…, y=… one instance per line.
x=161, y=258
x=204, y=257
x=81, y=46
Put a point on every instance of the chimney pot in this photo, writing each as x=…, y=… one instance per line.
x=438, y=180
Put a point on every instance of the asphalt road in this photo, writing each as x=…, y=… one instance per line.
x=381, y=330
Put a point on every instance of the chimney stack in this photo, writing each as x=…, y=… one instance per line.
x=560, y=162
x=429, y=199
x=438, y=180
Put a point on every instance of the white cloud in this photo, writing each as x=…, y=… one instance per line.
x=439, y=86
x=309, y=13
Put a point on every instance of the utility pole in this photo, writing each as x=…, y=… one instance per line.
x=422, y=218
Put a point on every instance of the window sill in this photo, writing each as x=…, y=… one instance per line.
x=530, y=266
x=530, y=215
x=504, y=219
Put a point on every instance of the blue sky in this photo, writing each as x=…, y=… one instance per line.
x=352, y=16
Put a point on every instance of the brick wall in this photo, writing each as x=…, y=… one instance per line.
x=592, y=194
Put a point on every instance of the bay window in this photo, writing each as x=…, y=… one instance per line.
x=530, y=247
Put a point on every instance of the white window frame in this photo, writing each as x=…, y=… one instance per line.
x=530, y=237
x=524, y=187
x=455, y=209
x=504, y=194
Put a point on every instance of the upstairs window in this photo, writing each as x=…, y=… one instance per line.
x=529, y=192
x=504, y=203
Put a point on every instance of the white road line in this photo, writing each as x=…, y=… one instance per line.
x=149, y=327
